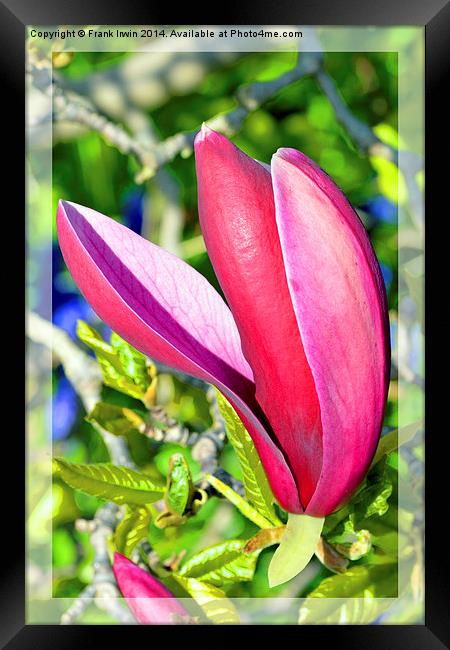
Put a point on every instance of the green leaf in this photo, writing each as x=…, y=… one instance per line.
x=112, y=482
x=132, y=529
x=64, y=549
x=370, y=502
x=179, y=485
x=366, y=589
x=213, y=601
x=165, y=453
x=351, y=543
x=123, y=368
x=134, y=363
x=256, y=485
x=391, y=181
x=222, y=563
x=394, y=439
x=296, y=548
x=116, y=419
x=368, y=580
x=373, y=497
x=240, y=503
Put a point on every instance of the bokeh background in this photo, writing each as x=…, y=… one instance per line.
x=154, y=96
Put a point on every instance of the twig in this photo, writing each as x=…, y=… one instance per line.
x=71, y=107
x=82, y=371
x=358, y=130
x=85, y=376
x=79, y=606
x=75, y=108
x=103, y=589
x=370, y=144
x=210, y=443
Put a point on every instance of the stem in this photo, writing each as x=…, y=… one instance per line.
x=240, y=503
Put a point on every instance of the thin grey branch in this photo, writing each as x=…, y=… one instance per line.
x=83, y=373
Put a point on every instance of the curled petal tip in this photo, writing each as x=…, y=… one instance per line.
x=204, y=133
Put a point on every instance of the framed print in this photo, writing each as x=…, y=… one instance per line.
x=225, y=321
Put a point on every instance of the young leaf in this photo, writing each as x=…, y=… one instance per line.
x=134, y=363
x=116, y=419
x=222, y=563
x=256, y=485
x=368, y=505
x=240, y=503
x=213, y=601
x=132, y=529
x=394, y=439
x=179, y=485
x=123, y=368
x=112, y=482
x=366, y=589
x=372, y=498
x=296, y=548
x=352, y=543
x=363, y=581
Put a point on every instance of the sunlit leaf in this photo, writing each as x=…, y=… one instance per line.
x=365, y=590
x=123, y=368
x=132, y=529
x=390, y=181
x=134, y=363
x=179, y=485
x=213, y=601
x=165, y=453
x=112, y=482
x=368, y=580
x=116, y=419
x=394, y=439
x=64, y=549
x=222, y=563
x=240, y=503
x=389, y=135
x=256, y=485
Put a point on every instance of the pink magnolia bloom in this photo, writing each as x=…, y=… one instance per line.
x=302, y=351
x=148, y=599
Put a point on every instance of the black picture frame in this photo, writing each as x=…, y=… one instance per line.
x=435, y=16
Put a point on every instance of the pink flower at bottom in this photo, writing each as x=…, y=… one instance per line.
x=149, y=600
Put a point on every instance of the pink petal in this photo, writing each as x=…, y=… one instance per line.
x=148, y=599
x=152, y=298
x=164, y=308
x=237, y=217
x=340, y=303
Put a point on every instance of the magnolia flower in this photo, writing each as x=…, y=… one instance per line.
x=302, y=349
x=148, y=599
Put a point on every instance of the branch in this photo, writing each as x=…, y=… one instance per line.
x=370, y=144
x=205, y=445
x=83, y=373
x=80, y=369
x=103, y=588
x=71, y=107
x=359, y=131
